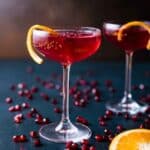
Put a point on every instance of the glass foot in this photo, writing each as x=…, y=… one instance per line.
x=77, y=134
x=131, y=107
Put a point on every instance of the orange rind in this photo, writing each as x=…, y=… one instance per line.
x=131, y=24
x=32, y=52
x=135, y=139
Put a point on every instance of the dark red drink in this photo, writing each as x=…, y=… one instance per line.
x=67, y=46
x=134, y=38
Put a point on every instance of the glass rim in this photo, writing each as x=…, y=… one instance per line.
x=94, y=30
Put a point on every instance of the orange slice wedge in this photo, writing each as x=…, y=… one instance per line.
x=135, y=139
x=134, y=23
x=30, y=48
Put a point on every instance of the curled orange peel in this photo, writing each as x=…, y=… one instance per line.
x=32, y=52
x=131, y=24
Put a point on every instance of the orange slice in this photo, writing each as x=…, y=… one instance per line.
x=135, y=139
x=30, y=48
x=134, y=23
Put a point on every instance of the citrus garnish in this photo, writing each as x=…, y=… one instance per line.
x=30, y=47
x=131, y=24
x=135, y=139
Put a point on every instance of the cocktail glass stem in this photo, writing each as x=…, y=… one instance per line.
x=127, y=104
x=65, y=124
x=65, y=131
x=128, y=71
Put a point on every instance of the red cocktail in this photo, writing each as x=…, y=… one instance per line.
x=134, y=38
x=65, y=46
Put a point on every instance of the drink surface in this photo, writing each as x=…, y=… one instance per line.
x=134, y=38
x=66, y=46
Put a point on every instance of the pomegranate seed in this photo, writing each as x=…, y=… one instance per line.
x=17, y=108
x=76, y=103
x=74, y=146
x=94, y=83
x=13, y=87
x=96, y=92
x=39, y=121
x=98, y=138
x=54, y=101
x=84, y=147
x=107, y=131
x=34, y=89
x=44, y=96
x=82, y=120
x=20, y=93
x=25, y=105
x=102, y=123
x=108, y=83
x=33, y=110
x=141, y=126
x=109, y=113
x=110, y=137
x=34, y=134
x=68, y=144
x=126, y=116
x=97, y=98
x=21, y=85
x=134, y=118
x=29, y=96
x=119, y=128
x=57, y=110
x=92, y=148
x=8, y=100
x=85, y=142
x=141, y=86
x=18, y=118
x=45, y=121
x=16, y=138
x=11, y=108
x=22, y=138
x=37, y=142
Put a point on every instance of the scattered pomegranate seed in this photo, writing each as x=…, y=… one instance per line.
x=107, y=131
x=85, y=142
x=134, y=118
x=74, y=146
x=13, y=87
x=21, y=93
x=98, y=138
x=16, y=138
x=44, y=96
x=108, y=112
x=34, y=134
x=34, y=89
x=17, y=108
x=82, y=120
x=18, y=118
x=25, y=105
x=22, y=138
x=54, y=101
x=11, y=108
x=57, y=110
x=21, y=85
x=102, y=123
x=8, y=100
x=37, y=142
x=68, y=144
x=84, y=147
x=119, y=128
x=92, y=148
x=45, y=121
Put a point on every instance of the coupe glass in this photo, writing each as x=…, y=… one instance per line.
x=134, y=39
x=66, y=46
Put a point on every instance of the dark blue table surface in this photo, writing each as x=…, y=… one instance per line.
x=14, y=72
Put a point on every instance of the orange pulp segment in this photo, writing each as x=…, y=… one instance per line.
x=135, y=139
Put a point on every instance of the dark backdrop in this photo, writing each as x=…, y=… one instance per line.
x=16, y=16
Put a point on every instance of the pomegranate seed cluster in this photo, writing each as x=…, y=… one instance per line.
x=83, y=93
